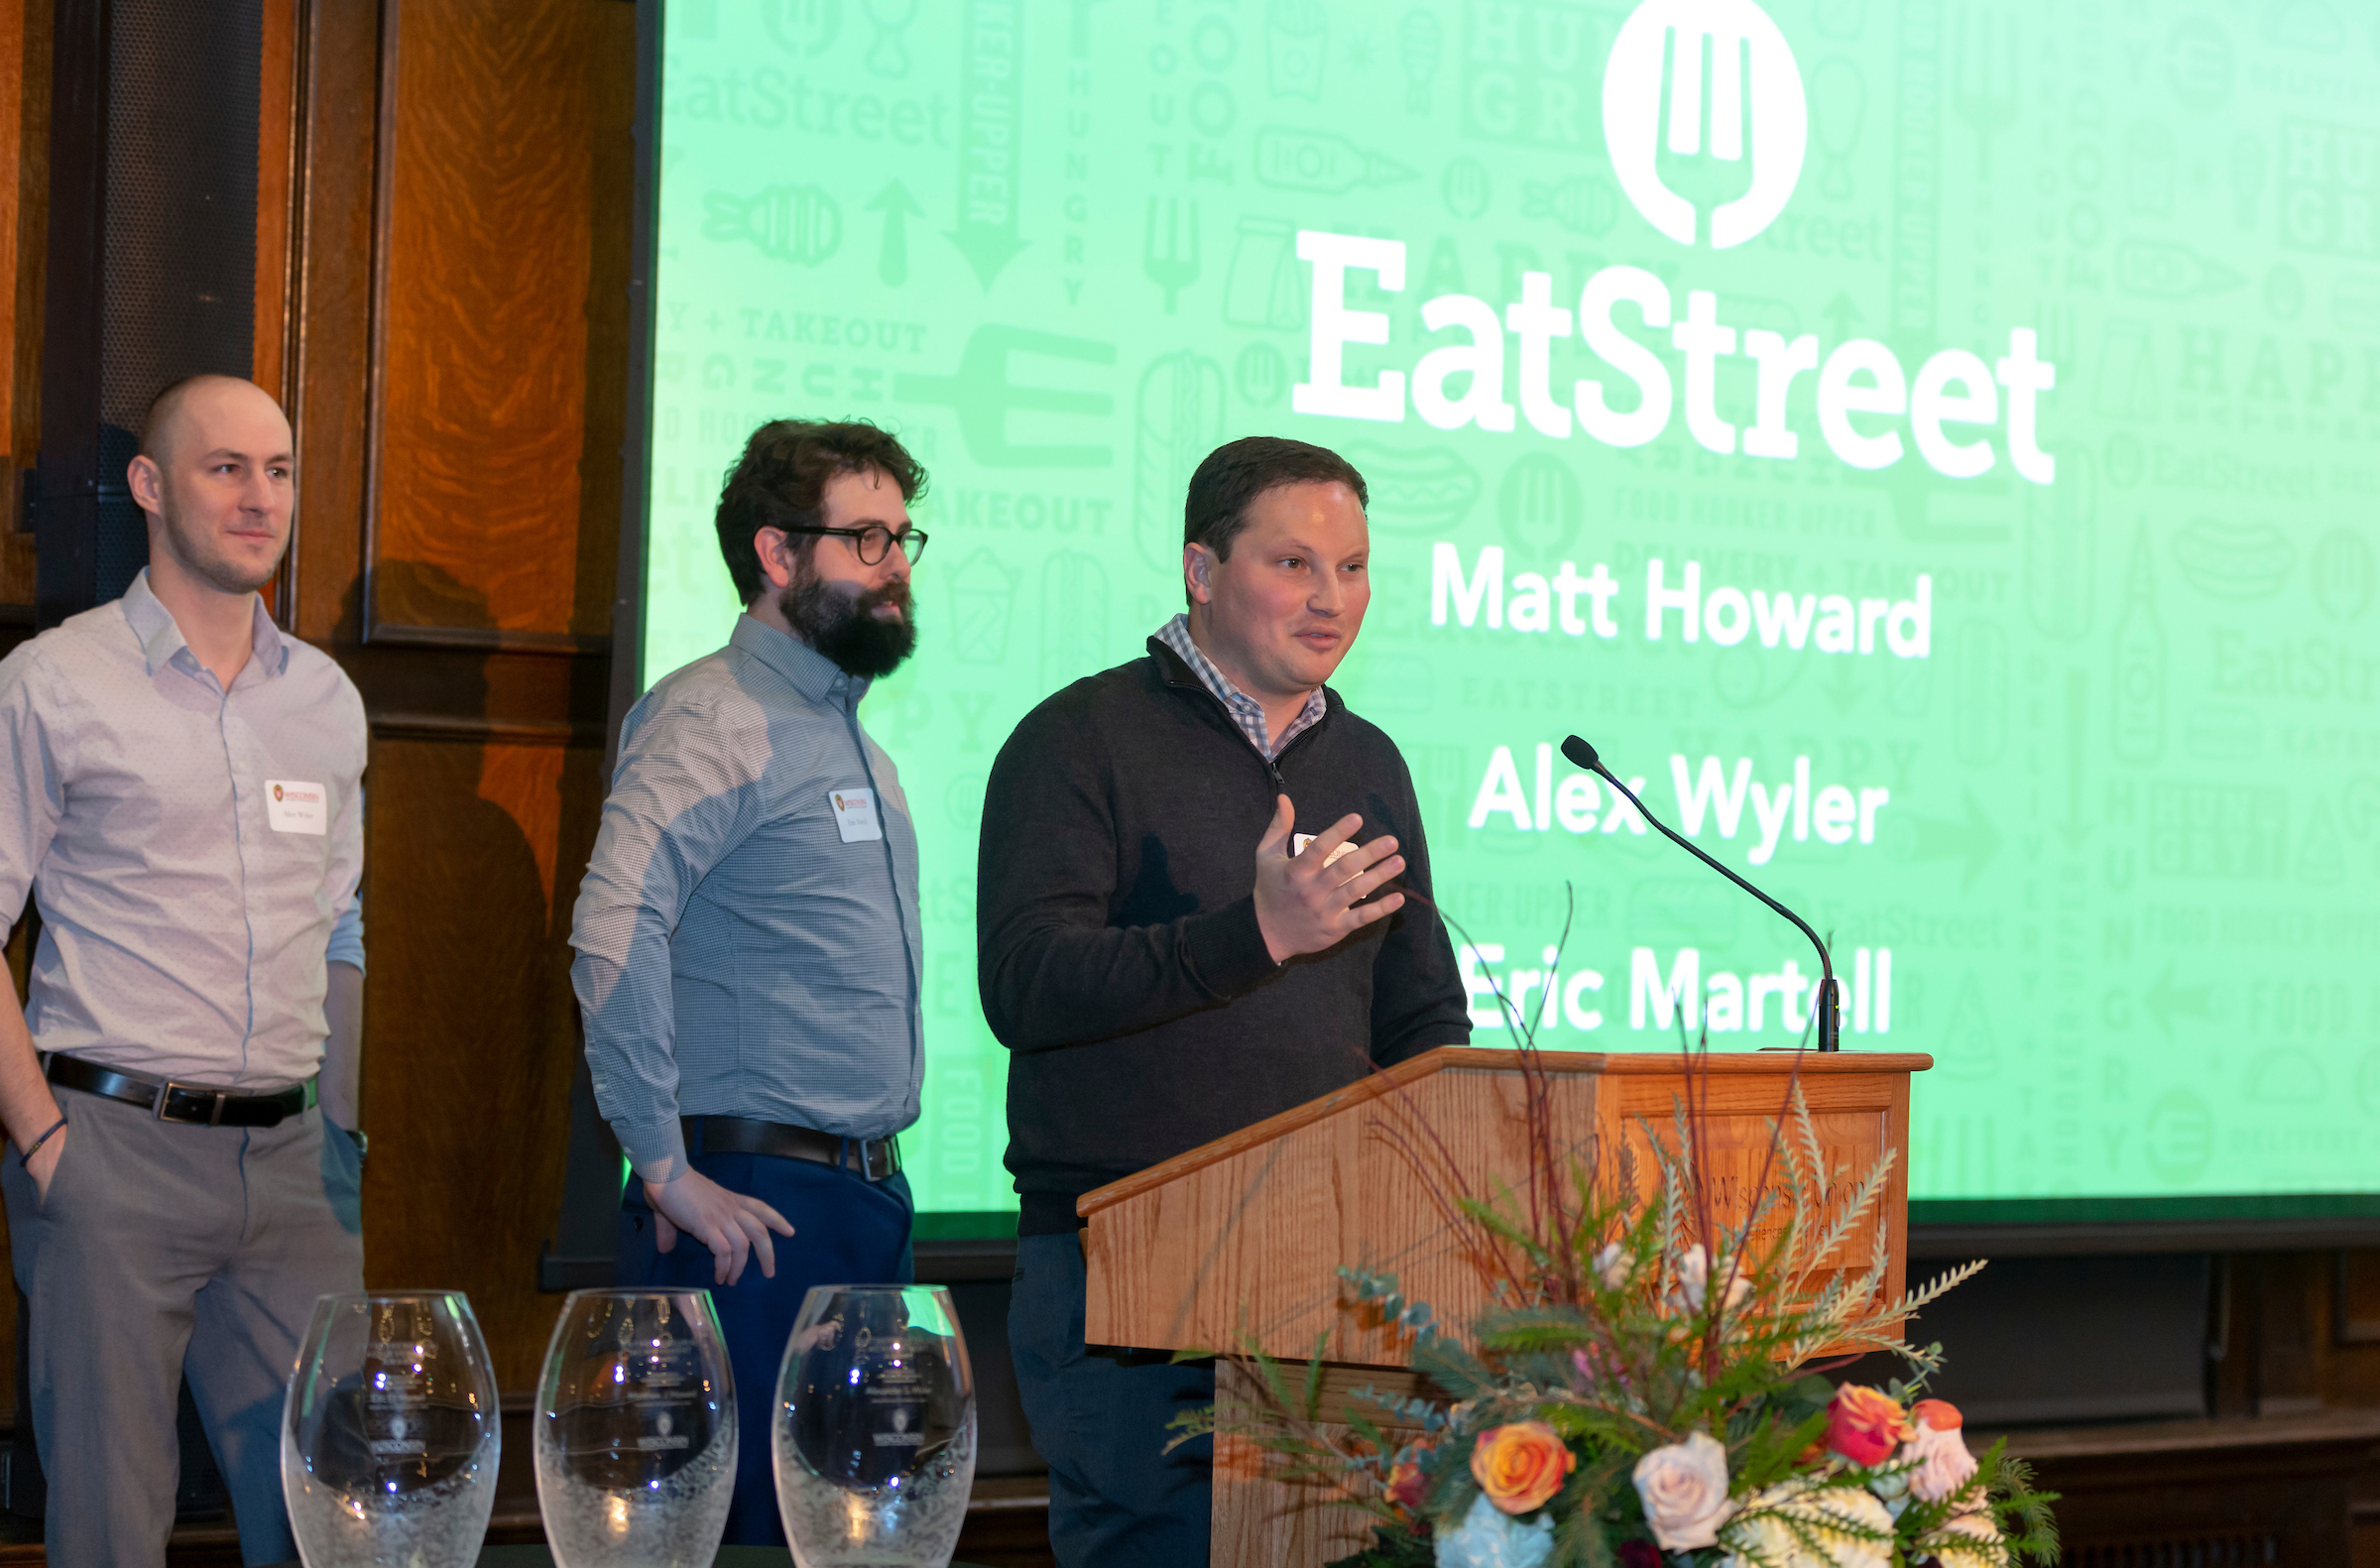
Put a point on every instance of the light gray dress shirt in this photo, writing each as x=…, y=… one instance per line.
x=748, y=935
x=194, y=851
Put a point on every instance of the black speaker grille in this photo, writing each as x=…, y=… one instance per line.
x=180, y=272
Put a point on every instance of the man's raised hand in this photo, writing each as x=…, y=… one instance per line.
x=1308, y=902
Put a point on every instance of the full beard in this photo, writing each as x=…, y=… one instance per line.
x=847, y=628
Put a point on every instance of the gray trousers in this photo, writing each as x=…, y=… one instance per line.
x=168, y=1251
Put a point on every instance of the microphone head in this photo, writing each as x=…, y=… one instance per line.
x=1582, y=754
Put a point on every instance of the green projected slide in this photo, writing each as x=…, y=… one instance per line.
x=1935, y=448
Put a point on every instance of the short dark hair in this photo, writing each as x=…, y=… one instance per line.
x=1237, y=472
x=781, y=479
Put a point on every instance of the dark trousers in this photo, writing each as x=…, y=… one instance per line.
x=167, y=1251
x=847, y=1231
x=1117, y=1499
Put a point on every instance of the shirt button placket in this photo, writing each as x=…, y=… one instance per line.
x=239, y=757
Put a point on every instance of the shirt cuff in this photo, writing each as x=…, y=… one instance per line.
x=347, y=937
x=656, y=1150
x=1227, y=948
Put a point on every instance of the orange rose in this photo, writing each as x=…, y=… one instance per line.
x=1940, y=1414
x=1864, y=1425
x=1521, y=1467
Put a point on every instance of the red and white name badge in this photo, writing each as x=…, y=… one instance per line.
x=296, y=805
x=855, y=815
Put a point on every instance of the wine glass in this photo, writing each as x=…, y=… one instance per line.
x=390, y=1434
x=873, y=1435
x=636, y=1445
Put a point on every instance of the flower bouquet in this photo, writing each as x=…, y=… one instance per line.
x=1648, y=1388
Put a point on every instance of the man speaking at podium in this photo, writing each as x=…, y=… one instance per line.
x=1178, y=938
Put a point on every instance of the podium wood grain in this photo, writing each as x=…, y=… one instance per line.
x=1237, y=1244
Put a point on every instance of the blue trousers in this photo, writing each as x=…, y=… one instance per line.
x=846, y=1231
x=1117, y=1499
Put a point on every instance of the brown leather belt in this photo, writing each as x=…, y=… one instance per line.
x=875, y=1158
x=169, y=1101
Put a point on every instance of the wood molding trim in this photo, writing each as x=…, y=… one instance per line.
x=277, y=141
x=25, y=50
x=330, y=309
x=483, y=732
x=279, y=99
x=490, y=640
x=384, y=164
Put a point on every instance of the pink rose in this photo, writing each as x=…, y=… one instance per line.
x=1944, y=1465
x=1684, y=1489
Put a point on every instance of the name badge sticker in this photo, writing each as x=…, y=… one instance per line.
x=1299, y=841
x=296, y=805
x=855, y=815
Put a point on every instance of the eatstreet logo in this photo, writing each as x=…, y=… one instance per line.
x=1647, y=350
x=1745, y=52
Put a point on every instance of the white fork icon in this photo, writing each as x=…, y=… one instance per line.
x=1779, y=117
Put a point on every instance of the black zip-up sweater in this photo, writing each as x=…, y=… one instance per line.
x=1117, y=950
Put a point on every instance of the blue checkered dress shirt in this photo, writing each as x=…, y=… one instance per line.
x=738, y=955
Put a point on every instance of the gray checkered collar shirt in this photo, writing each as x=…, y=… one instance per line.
x=163, y=643
x=1245, y=711
x=190, y=903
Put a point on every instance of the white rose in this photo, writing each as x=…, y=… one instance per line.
x=1942, y=1462
x=1694, y=1284
x=1685, y=1491
x=1613, y=1266
x=1970, y=1540
x=1800, y=1523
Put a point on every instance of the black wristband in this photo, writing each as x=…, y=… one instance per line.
x=34, y=1147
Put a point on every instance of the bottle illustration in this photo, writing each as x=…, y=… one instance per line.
x=1319, y=162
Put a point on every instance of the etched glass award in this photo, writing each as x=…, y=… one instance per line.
x=874, y=1434
x=390, y=1434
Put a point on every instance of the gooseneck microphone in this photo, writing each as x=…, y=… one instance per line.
x=1829, y=998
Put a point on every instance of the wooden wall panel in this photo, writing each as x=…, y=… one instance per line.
x=24, y=204
x=502, y=125
x=469, y=1023
x=485, y=779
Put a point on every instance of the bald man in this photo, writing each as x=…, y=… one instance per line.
x=180, y=786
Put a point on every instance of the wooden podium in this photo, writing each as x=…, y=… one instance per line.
x=1238, y=1242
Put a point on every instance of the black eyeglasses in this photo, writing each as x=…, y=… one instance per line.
x=874, y=542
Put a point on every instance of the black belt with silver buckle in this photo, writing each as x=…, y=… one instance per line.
x=876, y=1158
x=180, y=1102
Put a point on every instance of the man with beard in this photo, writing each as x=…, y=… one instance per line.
x=749, y=948
x=181, y=784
